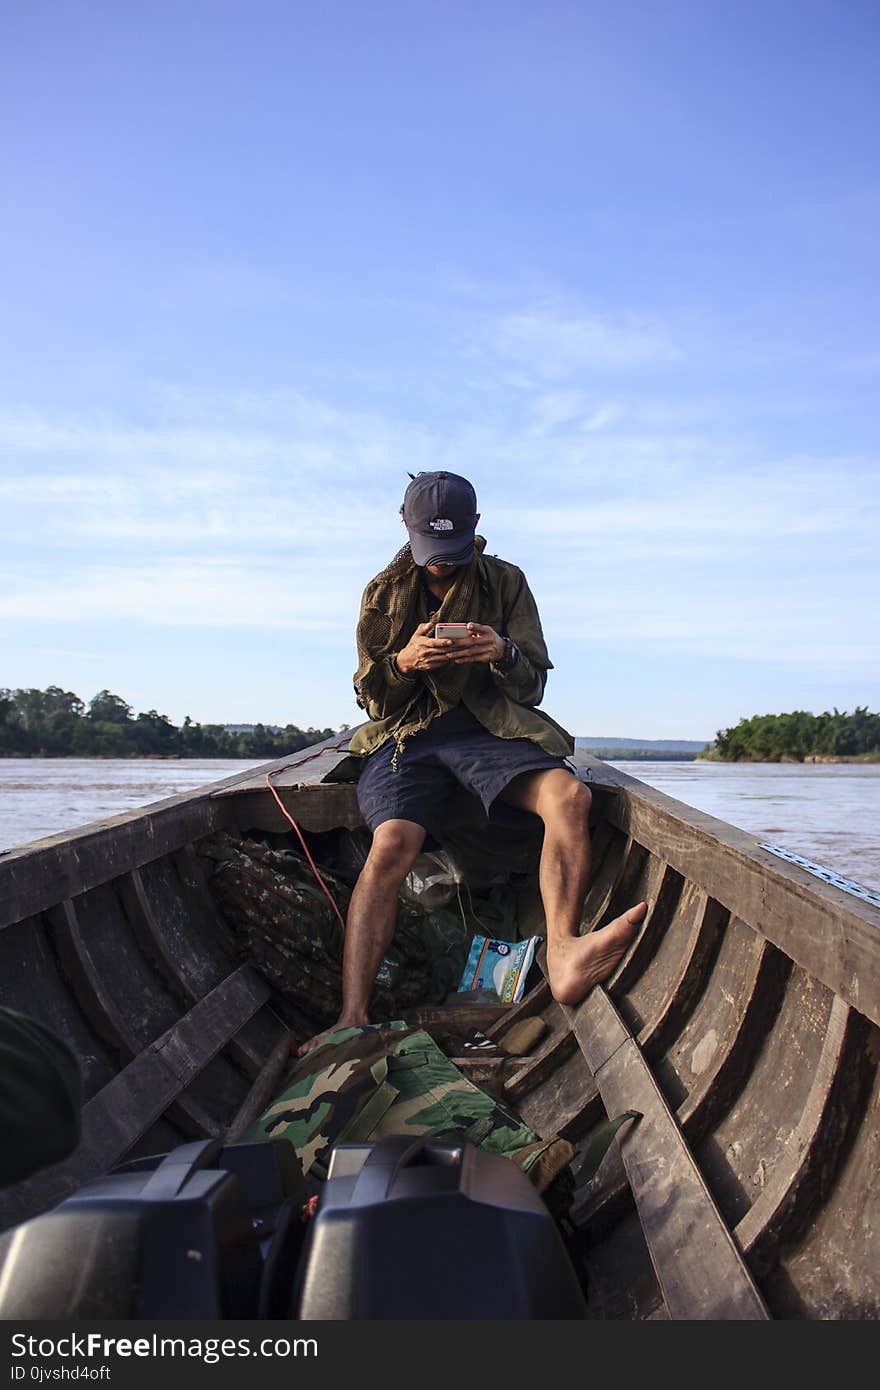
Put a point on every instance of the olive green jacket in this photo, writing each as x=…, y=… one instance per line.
x=502, y=700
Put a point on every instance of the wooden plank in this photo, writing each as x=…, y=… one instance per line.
x=171, y=919
x=829, y=933
x=455, y=1018
x=600, y=1031
x=722, y=1058
x=814, y=1147
x=604, y=837
x=621, y=1283
x=686, y=976
x=662, y=912
x=552, y=1050
x=639, y=880
x=111, y=981
x=195, y=873
x=128, y=1105
x=35, y=877
x=698, y=1266
x=266, y=1086
x=727, y=1032
x=606, y=1199
x=166, y=931
x=313, y=808
x=643, y=882
x=209, y=933
x=604, y=883
x=748, y=1143
x=566, y=1102
x=128, y=1004
x=30, y=980
x=535, y=1002
x=309, y=765
x=831, y=1268
x=486, y=1071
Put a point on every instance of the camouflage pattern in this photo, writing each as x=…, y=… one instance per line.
x=283, y=923
x=364, y=1084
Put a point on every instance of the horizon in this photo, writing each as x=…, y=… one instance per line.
x=616, y=267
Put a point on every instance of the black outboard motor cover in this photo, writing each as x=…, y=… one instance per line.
x=181, y=1235
x=429, y=1229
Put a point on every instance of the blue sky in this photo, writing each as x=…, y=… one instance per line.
x=616, y=264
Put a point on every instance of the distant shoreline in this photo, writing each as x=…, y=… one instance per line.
x=637, y=755
x=607, y=755
x=792, y=761
x=145, y=757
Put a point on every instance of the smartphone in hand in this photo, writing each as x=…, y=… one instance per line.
x=453, y=632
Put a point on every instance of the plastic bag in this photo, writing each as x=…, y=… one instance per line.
x=432, y=881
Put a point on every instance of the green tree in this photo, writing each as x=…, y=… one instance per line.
x=155, y=734
x=107, y=708
x=56, y=722
x=799, y=735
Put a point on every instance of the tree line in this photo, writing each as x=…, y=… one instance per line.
x=769, y=738
x=56, y=723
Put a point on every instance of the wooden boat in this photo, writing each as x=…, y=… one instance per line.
x=742, y=1025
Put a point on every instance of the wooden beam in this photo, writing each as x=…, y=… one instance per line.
x=457, y=1018
x=698, y=1266
x=832, y=935
x=309, y=765
x=616, y=863
x=802, y=1177
x=752, y=1001
x=126, y=1108
x=552, y=1050
x=177, y=923
x=731, y=1029
x=312, y=807
x=35, y=879
x=535, y=1002
x=689, y=976
x=663, y=911
x=37, y=876
x=265, y=1088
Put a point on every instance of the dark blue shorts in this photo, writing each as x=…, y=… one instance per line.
x=454, y=750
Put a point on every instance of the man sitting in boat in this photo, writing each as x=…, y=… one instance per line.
x=446, y=711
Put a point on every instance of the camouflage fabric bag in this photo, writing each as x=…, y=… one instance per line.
x=364, y=1084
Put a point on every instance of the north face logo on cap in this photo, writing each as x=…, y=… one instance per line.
x=441, y=524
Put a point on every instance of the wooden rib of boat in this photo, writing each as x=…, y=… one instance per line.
x=742, y=1025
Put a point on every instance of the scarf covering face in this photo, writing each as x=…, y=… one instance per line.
x=386, y=630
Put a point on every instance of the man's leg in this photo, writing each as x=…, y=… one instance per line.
x=372, y=914
x=574, y=963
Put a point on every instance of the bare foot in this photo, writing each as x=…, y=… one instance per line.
x=576, y=963
x=319, y=1037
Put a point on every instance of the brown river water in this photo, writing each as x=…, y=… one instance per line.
x=829, y=813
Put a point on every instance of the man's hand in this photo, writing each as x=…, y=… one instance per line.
x=423, y=653
x=483, y=645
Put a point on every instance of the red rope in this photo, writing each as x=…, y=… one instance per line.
x=334, y=748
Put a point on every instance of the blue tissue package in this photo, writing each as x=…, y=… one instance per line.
x=499, y=965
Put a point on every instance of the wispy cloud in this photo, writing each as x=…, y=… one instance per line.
x=557, y=342
x=571, y=411
x=270, y=511
x=182, y=594
x=717, y=621
x=788, y=503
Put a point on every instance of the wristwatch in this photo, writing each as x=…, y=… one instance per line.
x=511, y=653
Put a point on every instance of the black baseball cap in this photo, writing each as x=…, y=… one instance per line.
x=440, y=514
